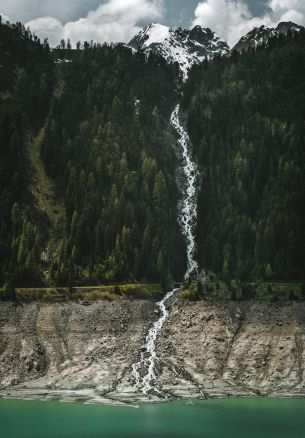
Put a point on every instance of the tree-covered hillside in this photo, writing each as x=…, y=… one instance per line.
x=88, y=172
x=246, y=118
x=107, y=145
x=26, y=82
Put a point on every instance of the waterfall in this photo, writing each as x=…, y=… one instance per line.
x=188, y=211
x=148, y=356
x=144, y=370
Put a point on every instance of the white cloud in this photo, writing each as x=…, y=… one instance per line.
x=294, y=16
x=47, y=27
x=114, y=21
x=4, y=18
x=231, y=19
x=26, y=10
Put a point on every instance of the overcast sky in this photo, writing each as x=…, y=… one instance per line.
x=120, y=20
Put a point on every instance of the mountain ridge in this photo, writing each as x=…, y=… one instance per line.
x=110, y=153
x=259, y=36
x=187, y=47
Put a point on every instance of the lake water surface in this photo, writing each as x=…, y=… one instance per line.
x=225, y=418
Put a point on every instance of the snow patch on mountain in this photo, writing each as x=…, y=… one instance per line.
x=259, y=36
x=192, y=46
x=186, y=47
x=157, y=34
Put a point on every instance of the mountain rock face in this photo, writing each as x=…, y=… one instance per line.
x=187, y=47
x=260, y=35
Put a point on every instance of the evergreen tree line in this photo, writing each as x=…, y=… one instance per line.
x=26, y=82
x=246, y=119
x=108, y=147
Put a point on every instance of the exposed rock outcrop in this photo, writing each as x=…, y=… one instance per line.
x=75, y=352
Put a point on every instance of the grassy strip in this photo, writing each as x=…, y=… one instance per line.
x=88, y=294
x=236, y=291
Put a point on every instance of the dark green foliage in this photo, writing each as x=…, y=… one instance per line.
x=26, y=77
x=246, y=120
x=191, y=292
x=303, y=291
x=239, y=291
x=117, y=290
x=108, y=147
x=8, y=291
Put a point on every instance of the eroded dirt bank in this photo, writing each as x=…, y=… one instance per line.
x=75, y=352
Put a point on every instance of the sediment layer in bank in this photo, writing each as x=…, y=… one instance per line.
x=68, y=351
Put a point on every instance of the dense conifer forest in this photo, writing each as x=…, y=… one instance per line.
x=105, y=141
x=26, y=82
x=246, y=118
x=106, y=209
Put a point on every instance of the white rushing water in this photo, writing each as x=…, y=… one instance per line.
x=188, y=211
x=148, y=355
x=144, y=371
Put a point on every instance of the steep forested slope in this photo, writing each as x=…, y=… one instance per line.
x=26, y=79
x=107, y=148
x=246, y=118
x=88, y=177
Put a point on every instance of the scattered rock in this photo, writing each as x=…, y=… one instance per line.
x=71, y=347
x=209, y=318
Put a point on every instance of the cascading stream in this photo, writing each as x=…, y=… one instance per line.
x=188, y=212
x=148, y=356
x=144, y=371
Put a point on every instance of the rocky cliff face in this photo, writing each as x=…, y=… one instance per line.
x=75, y=352
x=259, y=36
x=186, y=47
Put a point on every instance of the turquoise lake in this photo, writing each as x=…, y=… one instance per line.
x=230, y=418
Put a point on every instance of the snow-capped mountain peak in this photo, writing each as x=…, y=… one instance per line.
x=259, y=36
x=157, y=34
x=187, y=47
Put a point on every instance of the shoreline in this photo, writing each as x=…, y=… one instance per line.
x=69, y=352
x=91, y=396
